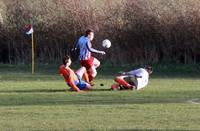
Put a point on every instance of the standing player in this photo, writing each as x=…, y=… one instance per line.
x=85, y=57
x=73, y=79
x=135, y=79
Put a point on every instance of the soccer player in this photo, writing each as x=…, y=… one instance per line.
x=74, y=79
x=135, y=79
x=85, y=57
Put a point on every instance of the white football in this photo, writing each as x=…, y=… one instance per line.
x=106, y=43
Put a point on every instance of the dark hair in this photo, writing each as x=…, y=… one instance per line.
x=149, y=68
x=88, y=31
x=66, y=59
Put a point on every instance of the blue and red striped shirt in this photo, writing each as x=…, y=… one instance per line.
x=85, y=47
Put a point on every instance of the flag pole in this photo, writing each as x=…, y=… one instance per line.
x=29, y=30
x=33, y=54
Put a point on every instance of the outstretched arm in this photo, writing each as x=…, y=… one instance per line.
x=134, y=73
x=94, y=50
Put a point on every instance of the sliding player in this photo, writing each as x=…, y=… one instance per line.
x=135, y=79
x=74, y=79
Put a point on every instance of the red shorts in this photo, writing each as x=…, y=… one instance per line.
x=87, y=63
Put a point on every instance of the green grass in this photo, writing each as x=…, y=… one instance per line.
x=39, y=102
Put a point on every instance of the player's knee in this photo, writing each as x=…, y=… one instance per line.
x=96, y=63
x=117, y=79
x=94, y=73
x=83, y=69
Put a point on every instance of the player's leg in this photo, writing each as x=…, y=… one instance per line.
x=84, y=85
x=96, y=62
x=92, y=72
x=115, y=87
x=90, y=67
x=121, y=80
x=81, y=72
x=86, y=77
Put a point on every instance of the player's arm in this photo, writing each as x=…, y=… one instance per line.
x=125, y=73
x=131, y=74
x=135, y=73
x=88, y=44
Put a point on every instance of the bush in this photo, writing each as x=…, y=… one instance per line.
x=141, y=32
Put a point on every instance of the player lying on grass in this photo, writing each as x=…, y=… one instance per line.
x=74, y=79
x=135, y=79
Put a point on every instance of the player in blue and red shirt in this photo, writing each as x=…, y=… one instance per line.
x=85, y=57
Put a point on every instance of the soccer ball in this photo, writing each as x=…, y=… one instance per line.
x=106, y=43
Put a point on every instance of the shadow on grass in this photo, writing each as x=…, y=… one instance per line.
x=34, y=91
x=46, y=91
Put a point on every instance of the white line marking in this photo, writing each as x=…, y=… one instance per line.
x=193, y=101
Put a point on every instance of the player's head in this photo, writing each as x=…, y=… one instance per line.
x=90, y=34
x=149, y=69
x=67, y=61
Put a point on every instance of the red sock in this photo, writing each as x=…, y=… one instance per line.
x=122, y=82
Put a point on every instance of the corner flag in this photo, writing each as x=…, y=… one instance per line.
x=29, y=31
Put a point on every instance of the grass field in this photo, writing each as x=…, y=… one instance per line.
x=39, y=102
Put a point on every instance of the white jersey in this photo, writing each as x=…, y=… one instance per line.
x=142, y=77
